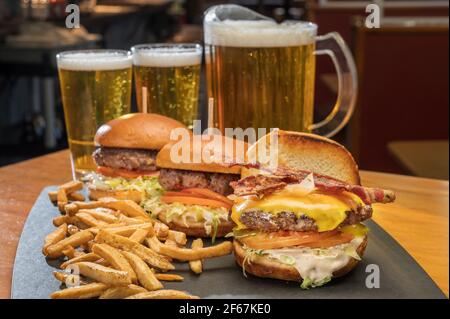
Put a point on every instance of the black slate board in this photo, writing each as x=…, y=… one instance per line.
x=400, y=275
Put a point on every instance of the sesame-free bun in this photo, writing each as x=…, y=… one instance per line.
x=263, y=266
x=309, y=152
x=219, y=152
x=137, y=130
x=196, y=229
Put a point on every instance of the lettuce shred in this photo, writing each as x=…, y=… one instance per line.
x=308, y=283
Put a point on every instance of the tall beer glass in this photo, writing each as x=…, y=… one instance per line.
x=170, y=76
x=95, y=88
x=261, y=74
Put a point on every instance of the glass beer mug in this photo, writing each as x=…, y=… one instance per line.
x=260, y=74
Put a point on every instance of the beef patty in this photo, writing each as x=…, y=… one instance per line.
x=126, y=158
x=175, y=179
x=256, y=219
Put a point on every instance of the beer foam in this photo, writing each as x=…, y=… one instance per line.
x=259, y=33
x=166, y=57
x=93, y=61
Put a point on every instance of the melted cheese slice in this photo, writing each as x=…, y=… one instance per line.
x=328, y=211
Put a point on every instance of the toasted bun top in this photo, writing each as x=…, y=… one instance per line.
x=137, y=130
x=314, y=153
x=213, y=153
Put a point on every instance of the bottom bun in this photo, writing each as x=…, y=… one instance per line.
x=134, y=195
x=262, y=266
x=197, y=229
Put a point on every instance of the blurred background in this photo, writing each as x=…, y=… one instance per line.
x=401, y=121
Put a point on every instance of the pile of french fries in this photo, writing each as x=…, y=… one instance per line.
x=112, y=249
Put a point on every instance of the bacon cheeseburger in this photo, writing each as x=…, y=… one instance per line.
x=302, y=222
x=125, y=156
x=195, y=188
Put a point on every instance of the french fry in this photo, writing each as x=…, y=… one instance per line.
x=161, y=230
x=89, y=220
x=127, y=207
x=102, y=274
x=69, y=279
x=82, y=292
x=196, y=265
x=72, y=229
x=84, y=257
x=54, y=237
x=163, y=294
x=129, y=220
x=71, y=186
x=74, y=207
x=52, y=195
x=101, y=214
x=169, y=277
x=170, y=242
x=139, y=235
x=69, y=252
x=61, y=198
x=59, y=220
x=122, y=292
x=115, y=258
x=186, y=254
x=123, y=243
x=75, y=240
x=128, y=230
x=178, y=237
x=144, y=274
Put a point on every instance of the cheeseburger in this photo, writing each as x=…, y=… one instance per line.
x=302, y=221
x=195, y=191
x=125, y=155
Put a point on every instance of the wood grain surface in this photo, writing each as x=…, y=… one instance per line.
x=418, y=220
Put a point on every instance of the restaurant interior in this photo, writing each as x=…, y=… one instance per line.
x=400, y=123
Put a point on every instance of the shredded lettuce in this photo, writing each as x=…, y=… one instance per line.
x=240, y=233
x=210, y=217
x=308, y=283
x=250, y=253
x=147, y=185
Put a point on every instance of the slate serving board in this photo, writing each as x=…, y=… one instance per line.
x=400, y=275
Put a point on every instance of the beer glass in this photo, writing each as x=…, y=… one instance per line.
x=95, y=88
x=167, y=79
x=260, y=74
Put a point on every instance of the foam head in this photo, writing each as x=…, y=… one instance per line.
x=235, y=26
x=167, y=55
x=94, y=60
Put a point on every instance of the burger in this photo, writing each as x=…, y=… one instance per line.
x=125, y=156
x=195, y=192
x=303, y=220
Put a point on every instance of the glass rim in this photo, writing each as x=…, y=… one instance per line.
x=73, y=53
x=182, y=47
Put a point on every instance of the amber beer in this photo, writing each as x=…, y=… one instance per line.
x=170, y=74
x=95, y=88
x=261, y=74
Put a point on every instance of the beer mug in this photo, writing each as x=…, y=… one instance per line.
x=260, y=74
x=167, y=78
x=95, y=88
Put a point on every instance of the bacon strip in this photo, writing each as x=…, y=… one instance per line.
x=261, y=185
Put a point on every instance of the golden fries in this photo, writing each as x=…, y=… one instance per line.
x=127, y=207
x=115, y=258
x=69, y=279
x=122, y=292
x=123, y=243
x=177, y=236
x=145, y=276
x=71, y=196
x=72, y=229
x=62, y=199
x=102, y=274
x=89, y=220
x=84, y=257
x=77, y=239
x=139, y=235
x=128, y=230
x=163, y=294
x=72, y=186
x=101, y=214
x=185, y=254
x=54, y=237
x=196, y=265
x=169, y=277
x=161, y=230
x=81, y=292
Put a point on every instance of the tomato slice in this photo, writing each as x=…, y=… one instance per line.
x=207, y=193
x=192, y=200
x=119, y=172
x=284, y=239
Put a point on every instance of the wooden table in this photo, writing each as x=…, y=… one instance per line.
x=427, y=158
x=418, y=219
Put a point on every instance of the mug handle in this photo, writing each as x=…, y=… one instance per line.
x=334, y=46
